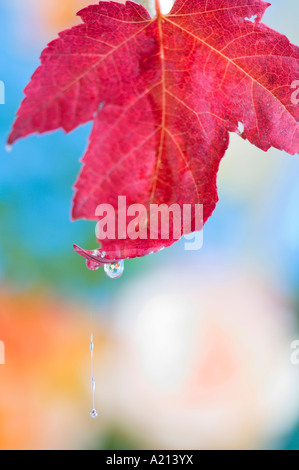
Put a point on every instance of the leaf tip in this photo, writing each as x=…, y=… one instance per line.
x=11, y=139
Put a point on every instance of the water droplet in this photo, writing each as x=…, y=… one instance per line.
x=8, y=148
x=94, y=414
x=115, y=270
x=99, y=253
x=92, y=265
x=91, y=346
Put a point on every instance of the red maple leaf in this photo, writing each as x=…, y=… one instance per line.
x=163, y=93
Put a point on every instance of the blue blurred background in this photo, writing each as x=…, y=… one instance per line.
x=192, y=348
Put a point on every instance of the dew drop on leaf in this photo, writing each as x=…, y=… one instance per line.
x=92, y=265
x=99, y=253
x=115, y=270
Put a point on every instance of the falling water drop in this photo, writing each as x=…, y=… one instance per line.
x=8, y=148
x=115, y=270
x=93, y=413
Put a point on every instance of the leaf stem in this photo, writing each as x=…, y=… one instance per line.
x=158, y=9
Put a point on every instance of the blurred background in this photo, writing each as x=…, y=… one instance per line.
x=192, y=349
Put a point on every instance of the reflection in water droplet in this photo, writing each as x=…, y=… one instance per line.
x=92, y=265
x=94, y=413
x=115, y=270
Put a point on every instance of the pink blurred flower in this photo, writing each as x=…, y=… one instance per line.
x=203, y=361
